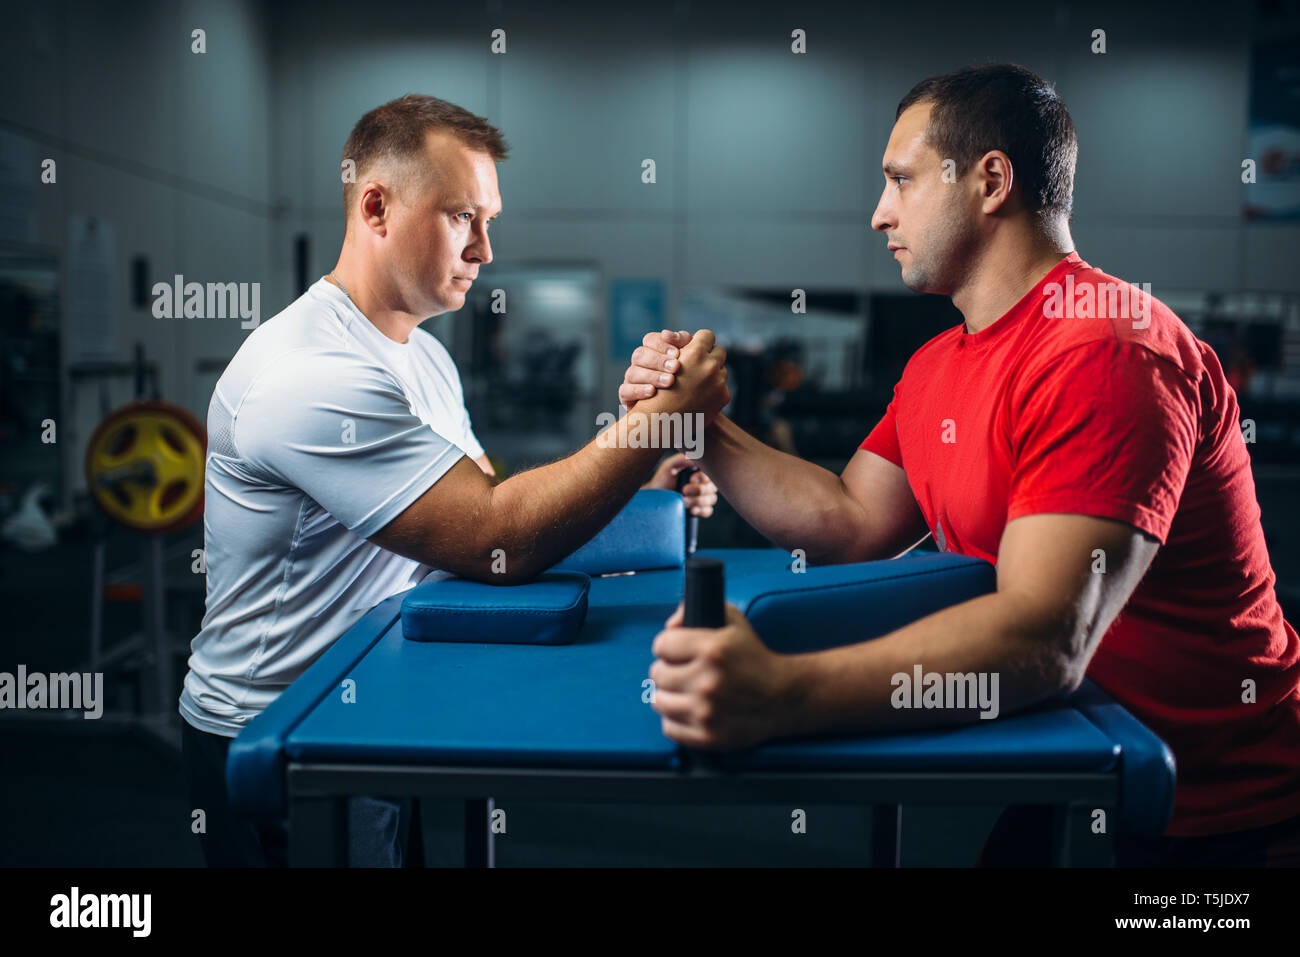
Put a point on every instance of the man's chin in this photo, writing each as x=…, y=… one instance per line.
x=451, y=301
x=918, y=283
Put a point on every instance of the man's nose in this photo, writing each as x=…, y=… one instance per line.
x=883, y=218
x=480, y=251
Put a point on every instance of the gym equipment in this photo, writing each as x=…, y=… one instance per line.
x=145, y=466
x=692, y=521
x=572, y=722
x=547, y=611
x=704, y=594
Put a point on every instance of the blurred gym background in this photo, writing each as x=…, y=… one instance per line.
x=223, y=166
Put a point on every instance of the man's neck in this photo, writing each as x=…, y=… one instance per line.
x=1003, y=277
x=371, y=302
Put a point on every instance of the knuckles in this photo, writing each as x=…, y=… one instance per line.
x=706, y=715
x=708, y=686
x=714, y=651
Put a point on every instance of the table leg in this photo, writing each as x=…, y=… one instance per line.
x=480, y=849
x=318, y=832
x=887, y=835
x=1105, y=843
x=1075, y=844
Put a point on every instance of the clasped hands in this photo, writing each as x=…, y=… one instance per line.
x=659, y=361
x=714, y=688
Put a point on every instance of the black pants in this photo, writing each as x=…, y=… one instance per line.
x=381, y=832
x=1022, y=838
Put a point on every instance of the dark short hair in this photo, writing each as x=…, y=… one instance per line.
x=397, y=131
x=1009, y=108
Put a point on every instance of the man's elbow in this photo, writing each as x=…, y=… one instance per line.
x=1067, y=666
x=1053, y=657
x=516, y=576
x=1069, y=677
x=494, y=549
x=1041, y=676
x=842, y=539
x=499, y=569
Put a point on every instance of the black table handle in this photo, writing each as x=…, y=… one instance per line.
x=692, y=521
x=705, y=596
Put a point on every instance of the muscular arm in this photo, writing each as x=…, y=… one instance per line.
x=535, y=517
x=466, y=525
x=1037, y=632
x=866, y=513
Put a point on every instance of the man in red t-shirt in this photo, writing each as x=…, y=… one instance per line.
x=1073, y=432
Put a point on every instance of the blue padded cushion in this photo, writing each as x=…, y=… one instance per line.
x=649, y=533
x=548, y=611
x=832, y=605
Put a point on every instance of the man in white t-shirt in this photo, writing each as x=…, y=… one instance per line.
x=342, y=467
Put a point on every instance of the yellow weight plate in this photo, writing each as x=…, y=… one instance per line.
x=145, y=464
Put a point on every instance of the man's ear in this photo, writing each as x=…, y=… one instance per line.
x=374, y=208
x=996, y=177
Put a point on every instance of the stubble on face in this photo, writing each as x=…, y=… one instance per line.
x=422, y=269
x=939, y=260
x=418, y=269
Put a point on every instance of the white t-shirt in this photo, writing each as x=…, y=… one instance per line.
x=321, y=431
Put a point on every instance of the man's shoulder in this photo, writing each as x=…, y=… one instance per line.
x=310, y=320
x=304, y=345
x=320, y=373
x=1100, y=314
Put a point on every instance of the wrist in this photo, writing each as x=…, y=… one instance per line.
x=632, y=435
x=800, y=681
x=661, y=401
x=718, y=443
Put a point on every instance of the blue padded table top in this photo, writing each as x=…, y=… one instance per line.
x=581, y=705
x=575, y=705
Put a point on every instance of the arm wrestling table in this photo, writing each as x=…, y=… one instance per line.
x=488, y=722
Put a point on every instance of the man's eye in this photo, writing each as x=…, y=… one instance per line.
x=898, y=179
x=470, y=215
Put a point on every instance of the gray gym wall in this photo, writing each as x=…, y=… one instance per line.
x=768, y=162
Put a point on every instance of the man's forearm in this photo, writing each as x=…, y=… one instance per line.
x=542, y=515
x=999, y=638
x=794, y=503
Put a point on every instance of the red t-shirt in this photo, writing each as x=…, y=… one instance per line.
x=1125, y=416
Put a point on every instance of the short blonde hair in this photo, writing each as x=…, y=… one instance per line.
x=396, y=132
